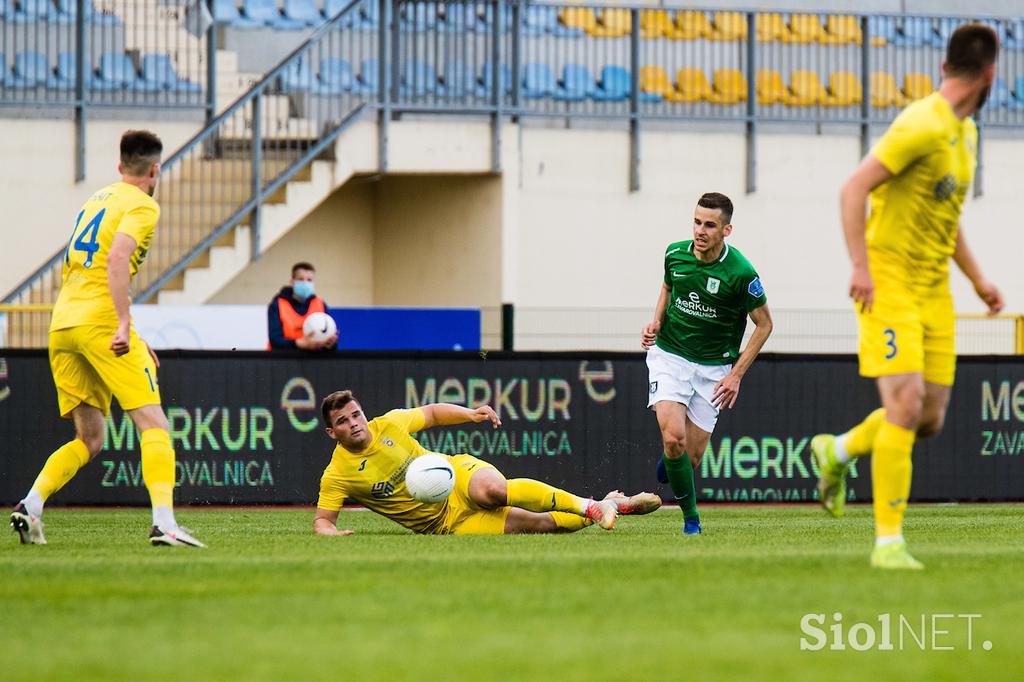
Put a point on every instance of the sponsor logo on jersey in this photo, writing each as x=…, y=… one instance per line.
x=678, y=274
x=390, y=443
x=755, y=289
x=382, y=489
x=654, y=387
x=695, y=307
x=713, y=285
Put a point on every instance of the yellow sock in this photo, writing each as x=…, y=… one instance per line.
x=61, y=467
x=158, y=467
x=860, y=439
x=535, y=496
x=890, y=474
x=570, y=523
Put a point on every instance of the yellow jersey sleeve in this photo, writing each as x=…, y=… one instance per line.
x=332, y=492
x=140, y=221
x=410, y=421
x=910, y=137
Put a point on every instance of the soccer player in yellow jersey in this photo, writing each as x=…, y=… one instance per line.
x=916, y=177
x=371, y=458
x=94, y=351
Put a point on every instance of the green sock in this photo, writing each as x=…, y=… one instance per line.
x=680, y=478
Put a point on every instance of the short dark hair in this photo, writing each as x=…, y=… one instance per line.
x=140, y=149
x=335, y=401
x=303, y=265
x=719, y=201
x=972, y=48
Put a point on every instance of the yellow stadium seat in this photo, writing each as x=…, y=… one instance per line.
x=805, y=28
x=771, y=89
x=729, y=87
x=844, y=90
x=693, y=25
x=842, y=30
x=693, y=84
x=885, y=92
x=917, y=85
x=807, y=89
x=581, y=18
x=655, y=80
x=771, y=28
x=729, y=26
x=613, y=23
x=656, y=23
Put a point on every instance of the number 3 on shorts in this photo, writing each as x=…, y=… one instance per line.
x=890, y=342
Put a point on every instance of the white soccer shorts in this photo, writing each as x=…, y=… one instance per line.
x=678, y=380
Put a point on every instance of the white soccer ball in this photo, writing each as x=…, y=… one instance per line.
x=430, y=478
x=318, y=327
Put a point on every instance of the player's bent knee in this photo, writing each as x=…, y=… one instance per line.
x=488, y=489
x=931, y=426
x=675, y=445
x=93, y=442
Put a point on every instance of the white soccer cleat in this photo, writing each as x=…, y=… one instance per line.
x=28, y=527
x=603, y=513
x=641, y=503
x=175, y=537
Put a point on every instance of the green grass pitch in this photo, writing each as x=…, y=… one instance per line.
x=269, y=600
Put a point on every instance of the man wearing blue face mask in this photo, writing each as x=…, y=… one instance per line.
x=290, y=308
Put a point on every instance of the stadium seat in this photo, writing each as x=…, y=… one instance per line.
x=420, y=16
x=692, y=25
x=1018, y=89
x=729, y=86
x=539, y=81
x=267, y=12
x=504, y=78
x=117, y=72
x=461, y=81
x=806, y=89
x=656, y=23
x=464, y=18
x=577, y=83
x=298, y=77
x=884, y=91
x=944, y=28
x=540, y=19
x=66, y=75
x=419, y=79
x=614, y=85
x=612, y=23
x=842, y=29
x=369, y=15
x=771, y=89
x=226, y=12
x=844, y=90
x=5, y=72
x=1002, y=98
x=30, y=70
x=1013, y=29
x=805, y=28
x=67, y=12
x=729, y=26
x=369, y=77
x=159, y=74
x=30, y=10
x=692, y=84
x=333, y=7
x=579, y=19
x=882, y=30
x=915, y=32
x=654, y=80
x=303, y=11
x=506, y=16
x=336, y=76
x=771, y=28
x=917, y=85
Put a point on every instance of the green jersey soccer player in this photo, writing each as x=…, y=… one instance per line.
x=693, y=344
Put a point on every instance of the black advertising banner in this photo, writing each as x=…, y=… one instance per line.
x=246, y=426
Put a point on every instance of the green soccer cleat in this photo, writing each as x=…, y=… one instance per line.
x=831, y=476
x=894, y=556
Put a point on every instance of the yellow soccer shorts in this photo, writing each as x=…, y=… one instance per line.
x=909, y=330
x=85, y=370
x=462, y=515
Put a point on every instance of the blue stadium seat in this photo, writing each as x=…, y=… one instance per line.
x=504, y=78
x=66, y=75
x=488, y=17
x=614, y=85
x=460, y=81
x=915, y=32
x=158, y=73
x=30, y=70
x=422, y=17
x=266, y=12
x=226, y=12
x=5, y=73
x=1018, y=89
x=540, y=19
x=464, y=18
x=336, y=76
x=303, y=11
x=943, y=30
x=577, y=83
x=1002, y=98
x=31, y=10
x=333, y=7
x=67, y=12
x=539, y=81
x=1013, y=29
x=883, y=27
x=369, y=15
x=298, y=76
x=117, y=72
x=418, y=79
x=369, y=76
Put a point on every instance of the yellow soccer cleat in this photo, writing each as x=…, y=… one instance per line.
x=894, y=556
x=831, y=476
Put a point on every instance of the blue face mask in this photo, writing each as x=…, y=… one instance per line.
x=303, y=290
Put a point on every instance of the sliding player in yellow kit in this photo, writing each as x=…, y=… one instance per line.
x=94, y=351
x=917, y=176
x=371, y=458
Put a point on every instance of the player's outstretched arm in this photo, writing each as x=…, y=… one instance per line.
x=326, y=523
x=728, y=389
x=986, y=290
x=446, y=414
x=118, y=281
x=853, y=208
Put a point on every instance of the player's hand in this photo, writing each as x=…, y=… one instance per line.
x=119, y=342
x=152, y=354
x=862, y=288
x=329, y=341
x=486, y=413
x=726, y=391
x=990, y=294
x=649, y=334
x=302, y=343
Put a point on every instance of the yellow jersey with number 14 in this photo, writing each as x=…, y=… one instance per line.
x=915, y=214
x=84, y=295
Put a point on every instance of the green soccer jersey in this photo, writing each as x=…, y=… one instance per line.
x=706, y=314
